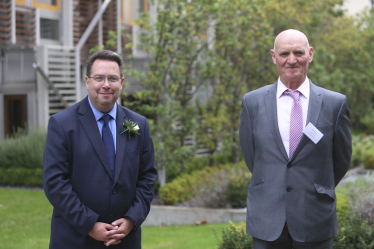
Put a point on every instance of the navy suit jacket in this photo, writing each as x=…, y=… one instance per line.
x=78, y=181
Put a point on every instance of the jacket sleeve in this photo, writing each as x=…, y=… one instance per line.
x=56, y=181
x=146, y=180
x=246, y=136
x=342, y=148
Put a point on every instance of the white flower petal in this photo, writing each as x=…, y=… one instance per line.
x=136, y=128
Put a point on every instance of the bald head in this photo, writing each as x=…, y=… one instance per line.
x=292, y=55
x=291, y=33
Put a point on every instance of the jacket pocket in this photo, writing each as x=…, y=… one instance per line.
x=255, y=185
x=326, y=191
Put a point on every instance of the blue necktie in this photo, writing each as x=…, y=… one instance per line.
x=108, y=142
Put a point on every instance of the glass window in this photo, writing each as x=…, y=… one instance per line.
x=49, y=29
x=47, y=2
x=132, y=10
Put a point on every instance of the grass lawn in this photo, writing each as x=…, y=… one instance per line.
x=25, y=219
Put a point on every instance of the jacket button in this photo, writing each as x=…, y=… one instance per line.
x=289, y=165
x=111, y=216
x=113, y=191
x=289, y=189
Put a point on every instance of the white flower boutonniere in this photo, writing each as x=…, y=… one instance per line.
x=130, y=127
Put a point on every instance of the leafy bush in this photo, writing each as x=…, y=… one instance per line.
x=354, y=234
x=202, y=182
x=23, y=151
x=343, y=208
x=369, y=158
x=213, y=191
x=361, y=195
x=237, y=190
x=21, y=177
x=235, y=237
x=362, y=150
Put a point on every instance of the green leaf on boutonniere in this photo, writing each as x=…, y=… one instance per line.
x=130, y=127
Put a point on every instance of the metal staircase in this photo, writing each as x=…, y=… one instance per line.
x=61, y=72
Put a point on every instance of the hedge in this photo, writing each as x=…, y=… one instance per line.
x=21, y=177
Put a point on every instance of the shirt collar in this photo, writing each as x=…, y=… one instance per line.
x=304, y=88
x=98, y=114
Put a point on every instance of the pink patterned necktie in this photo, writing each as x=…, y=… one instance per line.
x=296, y=121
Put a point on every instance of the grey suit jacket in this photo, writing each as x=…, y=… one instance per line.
x=299, y=190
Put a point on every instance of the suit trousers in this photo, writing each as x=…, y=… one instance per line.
x=285, y=241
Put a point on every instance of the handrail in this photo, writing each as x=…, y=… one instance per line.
x=50, y=84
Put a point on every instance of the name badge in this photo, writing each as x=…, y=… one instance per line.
x=312, y=133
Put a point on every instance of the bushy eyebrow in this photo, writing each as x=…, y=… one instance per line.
x=296, y=50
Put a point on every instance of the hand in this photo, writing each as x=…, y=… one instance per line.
x=124, y=227
x=100, y=232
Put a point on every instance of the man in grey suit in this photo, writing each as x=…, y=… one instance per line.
x=296, y=141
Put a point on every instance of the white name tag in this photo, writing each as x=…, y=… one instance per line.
x=313, y=133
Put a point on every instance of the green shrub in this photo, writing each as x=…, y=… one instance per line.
x=21, y=177
x=212, y=191
x=235, y=237
x=237, y=190
x=203, y=182
x=23, y=151
x=354, y=234
x=343, y=208
x=369, y=158
x=362, y=149
x=361, y=196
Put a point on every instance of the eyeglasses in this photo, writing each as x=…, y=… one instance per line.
x=100, y=78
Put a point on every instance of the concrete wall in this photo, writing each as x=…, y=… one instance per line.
x=170, y=215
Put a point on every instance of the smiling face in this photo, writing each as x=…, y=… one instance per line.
x=103, y=95
x=292, y=56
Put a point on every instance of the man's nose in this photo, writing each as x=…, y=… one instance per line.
x=106, y=83
x=292, y=59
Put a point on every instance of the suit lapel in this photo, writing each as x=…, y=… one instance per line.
x=120, y=142
x=270, y=99
x=315, y=103
x=92, y=131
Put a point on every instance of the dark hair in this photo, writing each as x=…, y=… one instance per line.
x=106, y=55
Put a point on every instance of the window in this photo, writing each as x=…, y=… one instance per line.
x=132, y=10
x=49, y=29
x=15, y=113
x=47, y=4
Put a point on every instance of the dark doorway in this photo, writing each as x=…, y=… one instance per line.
x=15, y=113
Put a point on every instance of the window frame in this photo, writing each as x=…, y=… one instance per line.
x=57, y=8
x=127, y=4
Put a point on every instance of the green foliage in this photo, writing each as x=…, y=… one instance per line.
x=238, y=189
x=183, y=188
x=361, y=196
x=343, y=208
x=235, y=237
x=21, y=177
x=23, y=150
x=354, y=234
x=362, y=150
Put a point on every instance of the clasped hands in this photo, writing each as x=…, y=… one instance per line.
x=111, y=234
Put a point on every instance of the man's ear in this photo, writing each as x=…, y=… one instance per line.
x=310, y=54
x=87, y=82
x=273, y=56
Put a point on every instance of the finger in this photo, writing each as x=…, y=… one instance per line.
x=117, y=242
x=110, y=242
x=118, y=222
x=117, y=236
x=110, y=227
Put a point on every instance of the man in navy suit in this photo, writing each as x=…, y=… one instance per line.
x=99, y=181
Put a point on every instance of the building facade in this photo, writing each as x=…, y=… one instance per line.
x=43, y=48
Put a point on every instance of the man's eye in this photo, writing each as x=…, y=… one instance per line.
x=113, y=79
x=99, y=78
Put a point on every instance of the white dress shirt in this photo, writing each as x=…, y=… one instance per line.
x=284, y=105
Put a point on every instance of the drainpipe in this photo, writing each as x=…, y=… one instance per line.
x=81, y=43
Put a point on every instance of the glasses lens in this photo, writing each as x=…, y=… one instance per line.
x=99, y=78
x=113, y=78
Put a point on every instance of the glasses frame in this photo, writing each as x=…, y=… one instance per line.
x=107, y=78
